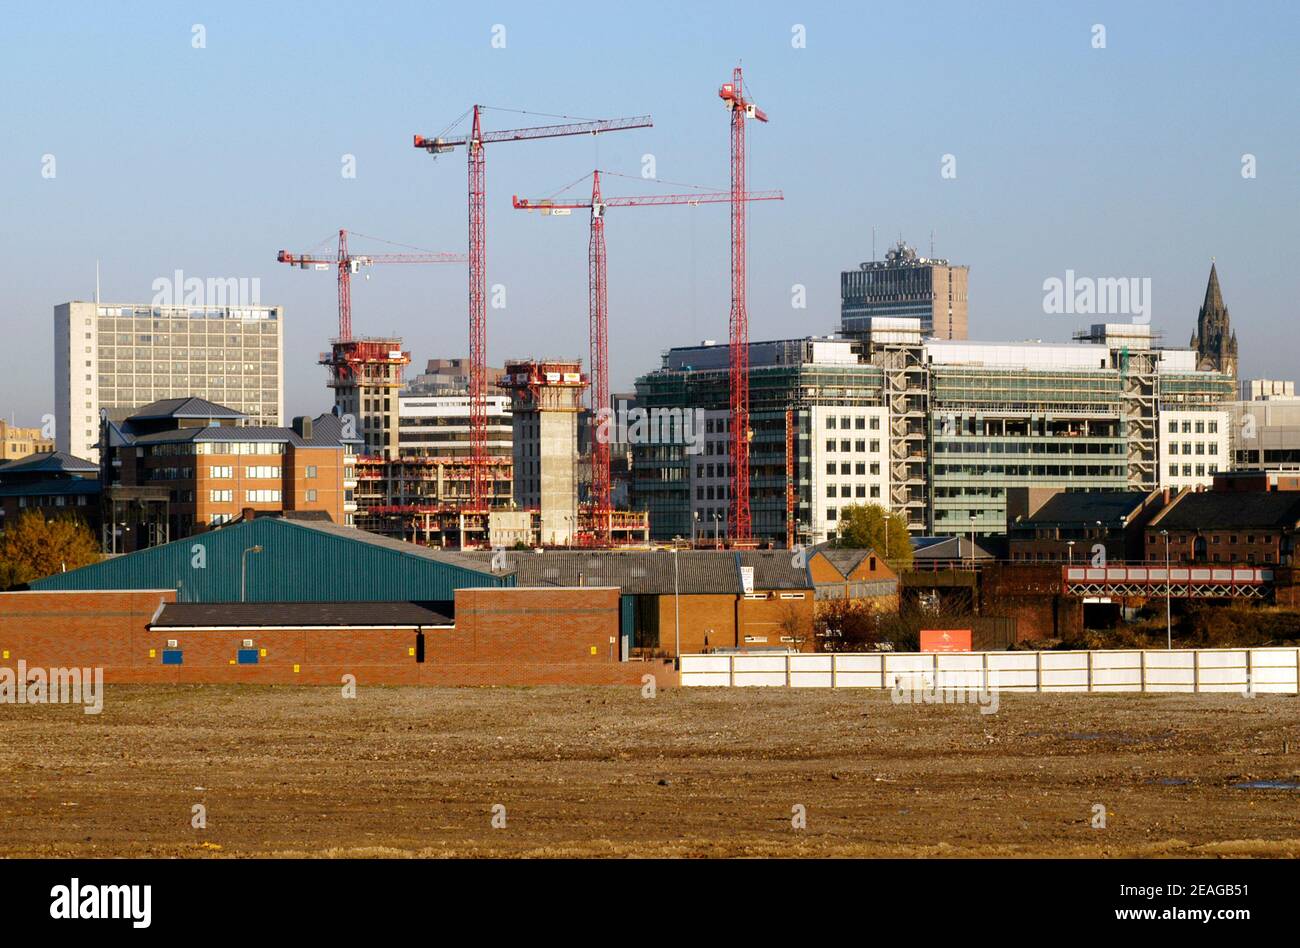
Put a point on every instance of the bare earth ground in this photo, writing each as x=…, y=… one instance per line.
x=606, y=772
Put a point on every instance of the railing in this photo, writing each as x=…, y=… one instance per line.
x=1242, y=671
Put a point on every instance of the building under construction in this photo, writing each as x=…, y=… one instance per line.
x=935, y=429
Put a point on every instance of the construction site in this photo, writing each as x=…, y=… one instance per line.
x=519, y=457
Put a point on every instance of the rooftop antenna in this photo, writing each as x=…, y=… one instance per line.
x=96, y=283
x=931, y=241
x=873, y=241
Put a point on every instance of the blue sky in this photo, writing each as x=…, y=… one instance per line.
x=1123, y=161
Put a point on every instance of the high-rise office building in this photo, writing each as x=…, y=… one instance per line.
x=907, y=285
x=938, y=430
x=121, y=356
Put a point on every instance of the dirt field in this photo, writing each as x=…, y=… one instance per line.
x=606, y=772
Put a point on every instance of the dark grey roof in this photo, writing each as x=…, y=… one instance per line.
x=1087, y=507
x=1229, y=510
x=53, y=487
x=51, y=462
x=946, y=548
x=190, y=406
x=343, y=615
x=844, y=559
x=326, y=432
x=650, y=572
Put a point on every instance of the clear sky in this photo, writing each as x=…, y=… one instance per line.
x=1117, y=162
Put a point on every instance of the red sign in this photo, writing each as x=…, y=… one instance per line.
x=945, y=640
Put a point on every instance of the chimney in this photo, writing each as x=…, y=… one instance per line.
x=302, y=427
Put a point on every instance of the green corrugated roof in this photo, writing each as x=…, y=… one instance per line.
x=300, y=562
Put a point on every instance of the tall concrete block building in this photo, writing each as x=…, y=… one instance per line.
x=546, y=397
x=908, y=285
x=122, y=356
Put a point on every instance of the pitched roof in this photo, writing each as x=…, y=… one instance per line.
x=327, y=431
x=650, y=572
x=844, y=559
x=1075, y=507
x=464, y=560
x=1224, y=510
x=343, y=615
x=51, y=462
x=54, y=487
x=190, y=406
x=946, y=548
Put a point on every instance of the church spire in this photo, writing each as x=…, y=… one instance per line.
x=1215, y=342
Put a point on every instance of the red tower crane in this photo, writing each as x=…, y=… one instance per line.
x=348, y=264
x=741, y=109
x=598, y=310
x=474, y=143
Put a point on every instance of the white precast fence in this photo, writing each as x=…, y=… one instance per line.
x=1259, y=670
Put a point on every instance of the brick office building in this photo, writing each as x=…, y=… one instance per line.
x=214, y=465
x=1228, y=527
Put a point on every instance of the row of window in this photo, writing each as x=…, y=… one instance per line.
x=1201, y=447
x=858, y=423
x=855, y=490
x=1200, y=427
x=1201, y=470
x=251, y=496
x=860, y=468
x=859, y=445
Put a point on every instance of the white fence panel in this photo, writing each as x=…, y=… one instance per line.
x=1262, y=671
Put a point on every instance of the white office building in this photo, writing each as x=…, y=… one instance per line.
x=122, y=356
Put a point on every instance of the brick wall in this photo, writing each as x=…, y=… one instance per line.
x=724, y=620
x=506, y=636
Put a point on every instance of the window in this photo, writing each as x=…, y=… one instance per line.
x=830, y=490
x=830, y=444
x=262, y=496
x=832, y=515
x=311, y=494
x=311, y=470
x=222, y=496
x=830, y=467
x=830, y=424
x=221, y=471
x=859, y=423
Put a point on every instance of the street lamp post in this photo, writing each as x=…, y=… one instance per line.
x=695, y=522
x=717, y=524
x=1169, y=609
x=243, y=569
x=972, y=541
x=677, y=611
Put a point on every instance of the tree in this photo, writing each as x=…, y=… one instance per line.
x=795, y=626
x=871, y=526
x=847, y=625
x=34, y=547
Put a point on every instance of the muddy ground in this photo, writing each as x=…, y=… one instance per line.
x=605, y=772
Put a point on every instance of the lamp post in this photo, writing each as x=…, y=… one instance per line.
x=677, y=610
x=717, y=523
x=243, y=569
x=695, y=522
x=1169, y=609
x=972, y=540
x=1069, y=546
